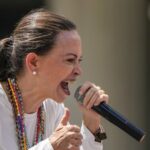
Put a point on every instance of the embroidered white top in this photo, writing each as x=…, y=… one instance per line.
x=54, y=112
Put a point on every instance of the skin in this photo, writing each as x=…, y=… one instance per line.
x=62, y=63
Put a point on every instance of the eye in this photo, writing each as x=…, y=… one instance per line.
x=74, y=60
x=71, y=60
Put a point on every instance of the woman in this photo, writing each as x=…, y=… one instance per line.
x=37, y=64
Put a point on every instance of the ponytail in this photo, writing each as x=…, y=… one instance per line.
x=6, y=67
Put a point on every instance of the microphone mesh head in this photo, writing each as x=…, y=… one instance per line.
x=79, y=97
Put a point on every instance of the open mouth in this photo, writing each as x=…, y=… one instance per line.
x=65, y=87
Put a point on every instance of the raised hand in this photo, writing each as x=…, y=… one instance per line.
x=66, y=136
x=94, y=96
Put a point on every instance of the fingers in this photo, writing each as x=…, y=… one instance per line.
x=68, y=137
x=72, y=147
x=103, y=98
x=94, y=95
x=84, y=88
x=65, y=117
x=74, y=138
x=73, y=128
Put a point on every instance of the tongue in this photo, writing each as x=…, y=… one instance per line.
x=65, y=88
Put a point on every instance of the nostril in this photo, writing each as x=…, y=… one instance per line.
x=78, y=71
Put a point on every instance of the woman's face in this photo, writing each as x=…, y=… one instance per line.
x=61, y=66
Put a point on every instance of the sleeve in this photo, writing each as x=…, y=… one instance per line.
x=44, y=145
x=89, y=140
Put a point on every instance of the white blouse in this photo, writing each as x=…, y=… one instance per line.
x=53, y=111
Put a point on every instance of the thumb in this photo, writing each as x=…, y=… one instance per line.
x=65, y=117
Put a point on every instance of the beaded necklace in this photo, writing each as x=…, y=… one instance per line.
x=17, y=104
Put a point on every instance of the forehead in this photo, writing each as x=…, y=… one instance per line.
x=68, y=42
x=68, y=37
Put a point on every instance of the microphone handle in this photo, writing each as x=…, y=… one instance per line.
x=114, y=117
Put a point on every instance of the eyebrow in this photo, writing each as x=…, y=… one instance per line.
x=72, y=54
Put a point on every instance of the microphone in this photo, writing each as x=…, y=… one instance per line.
x=114, y=117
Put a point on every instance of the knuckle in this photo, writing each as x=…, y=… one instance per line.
x=70, y=136
x=88, y=83
x=93, y=85
x=105, y=96
x=66, y=136
x=74, y=128
x=75, y=148
x=98, y=87
x=97, y=94
x=92, y=101
x=68, y=127
x=94, y=89
x=102, y=91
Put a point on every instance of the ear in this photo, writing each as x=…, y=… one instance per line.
x=31, y=62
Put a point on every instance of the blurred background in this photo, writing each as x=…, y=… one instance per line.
x=115, y=36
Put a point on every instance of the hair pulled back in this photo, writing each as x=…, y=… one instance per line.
x=6, y=68
x=36, y=32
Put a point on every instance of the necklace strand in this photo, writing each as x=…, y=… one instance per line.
x=17, y=104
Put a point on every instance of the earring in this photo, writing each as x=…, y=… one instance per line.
x=34, y=73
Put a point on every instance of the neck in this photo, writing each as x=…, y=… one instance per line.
x=32, y=98
x=31, y=102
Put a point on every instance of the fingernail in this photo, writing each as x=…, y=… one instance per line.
x=95, y=104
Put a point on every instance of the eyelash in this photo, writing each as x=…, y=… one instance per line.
x=72, y=60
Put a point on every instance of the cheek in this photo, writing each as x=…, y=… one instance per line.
x=58, y=74
x=66, y=70
x=63, y=70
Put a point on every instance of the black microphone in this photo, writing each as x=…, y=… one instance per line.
x=114, y=117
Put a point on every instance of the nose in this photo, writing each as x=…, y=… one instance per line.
x=77, y=70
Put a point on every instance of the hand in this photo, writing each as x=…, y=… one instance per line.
x=94, y=96
x=66, y=137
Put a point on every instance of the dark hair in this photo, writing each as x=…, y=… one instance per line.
x=36, y=32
